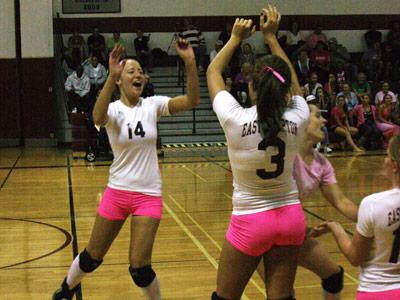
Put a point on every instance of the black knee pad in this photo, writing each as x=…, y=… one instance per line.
x=142, y=276
x=214, y=296
x=87, y=263
x=334, y=283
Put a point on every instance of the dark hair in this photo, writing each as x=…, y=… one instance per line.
x=271, y=93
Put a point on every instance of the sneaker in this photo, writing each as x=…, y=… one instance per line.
x=318, y=147
x=63, y=293
x=327, y=149
x=74, y=110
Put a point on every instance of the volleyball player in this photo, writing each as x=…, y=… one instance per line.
x=134, y=186
x=267, y=219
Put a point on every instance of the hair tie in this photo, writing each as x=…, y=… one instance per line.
x=267, y=69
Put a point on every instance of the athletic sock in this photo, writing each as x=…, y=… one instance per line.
x=152, y=291
x=75, y=274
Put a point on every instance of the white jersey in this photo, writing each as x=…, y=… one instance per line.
x=262, y=171
x=133, y=136
x=379, y=218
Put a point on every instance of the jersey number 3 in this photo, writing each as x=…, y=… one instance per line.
x=278, y=159
x=138, y=130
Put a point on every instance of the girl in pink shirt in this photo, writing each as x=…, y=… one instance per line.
x=312, y=171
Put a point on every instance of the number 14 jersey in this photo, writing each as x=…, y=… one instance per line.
x=262, y=169
x=132, y=132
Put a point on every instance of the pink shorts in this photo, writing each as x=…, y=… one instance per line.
x=254, y=234
x=118, y=205
x=386, y=295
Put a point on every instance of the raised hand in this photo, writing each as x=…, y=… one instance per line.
x=269, y=21
x=115, y=65
x=184, y=50
x=319, y=230
x=243, y=29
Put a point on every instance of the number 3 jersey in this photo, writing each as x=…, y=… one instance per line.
x=132, y=132
x=262, y=170
x=379, y=218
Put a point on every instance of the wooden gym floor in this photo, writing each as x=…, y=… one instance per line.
x=48, y=202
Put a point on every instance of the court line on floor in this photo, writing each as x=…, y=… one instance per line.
x=214, y=242
x=78, y=292
x=194, y=240
x=12, y=168
x=194, y=173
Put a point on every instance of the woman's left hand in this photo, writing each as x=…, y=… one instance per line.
x=184, y=50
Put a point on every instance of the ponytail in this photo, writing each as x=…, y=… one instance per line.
x=272, y=81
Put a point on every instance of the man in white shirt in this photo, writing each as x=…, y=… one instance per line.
x=78, y=86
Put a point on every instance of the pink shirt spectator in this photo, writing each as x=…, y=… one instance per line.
x=310, y=177
x=379, y=97
x=339, y=114
x=320, y=57
x=358, y=111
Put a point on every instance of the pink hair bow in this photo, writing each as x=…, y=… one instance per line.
x=267, y=69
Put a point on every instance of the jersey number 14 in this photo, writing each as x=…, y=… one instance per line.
x=138, y=130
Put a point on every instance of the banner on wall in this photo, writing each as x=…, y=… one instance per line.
x=90, y=6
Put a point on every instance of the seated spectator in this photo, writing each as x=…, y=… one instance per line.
x=67, y=62
x=97, y=74
x=371, y=62
x=218, y=47
x=294, y=35
x=361, y=86
x=196, y=39
x=303, y=67
x=379, y=97
x=372, y=36
x=321, y=59
x=312, y=84
x=339, y=123
x=78, y=87
x=142, y=49
x=315, y=37
x=340, y=74
x=241, y=84
x=384, y=120
x=76, y=46
x=339, y=54
x=247, y=55
x=350, y=97
x=370, y=135
x=323, y=102
x=331, y=87
x=116, y=40
x=393, y=38
x=97, y=45
x=148, y=89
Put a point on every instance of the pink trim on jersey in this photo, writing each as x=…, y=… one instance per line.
x=310, y=177
x=386, y=295
x=254, y=234
x=118, y=205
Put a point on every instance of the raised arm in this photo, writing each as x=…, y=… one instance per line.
x=100, y=109
x=241, y=30
x=192, y=97
x=269, y=23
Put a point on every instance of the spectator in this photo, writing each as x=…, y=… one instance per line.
x=339, y=54
x=371, y=136
x=340, y=74
x=241, y=84
x=116, y=40
x=372, y=36
x=97, y=45
x=303, y=67
x=372, y=62
x=321, y=60
x=313, y=84
x=339, y=123
x=218, y=47
x=323, y=102
x=148, y=89
x=379, y=97
x=316, y=36
x=195, y=37
x=67, y=61
x=361, y=86
x=294, y=35
x=97, y=74
x=247, y=55
x=331, y=87
x=78, y=87
x=384, y=120
x=76, y=46
x=141, y=44
x=350, y=97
